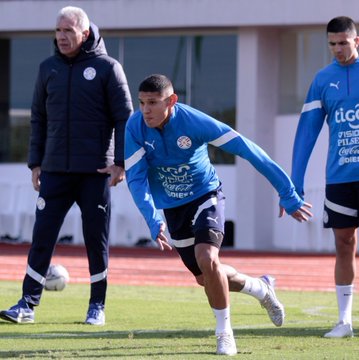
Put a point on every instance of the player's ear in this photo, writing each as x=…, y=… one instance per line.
x=173, y=99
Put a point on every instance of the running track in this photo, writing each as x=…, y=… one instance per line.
x=149, y=266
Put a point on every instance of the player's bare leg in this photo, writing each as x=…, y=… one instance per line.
x=346, y=241
x=346, y=244
x=215, y=279
x=260, y=288
x=215, y=283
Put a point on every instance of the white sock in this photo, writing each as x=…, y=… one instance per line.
x=255, y=287
x=345, y=302
x=223, y=319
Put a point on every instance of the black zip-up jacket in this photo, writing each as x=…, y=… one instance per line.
x=79, y=111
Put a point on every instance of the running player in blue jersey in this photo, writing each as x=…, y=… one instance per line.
x=334, y=97
x=167, y=167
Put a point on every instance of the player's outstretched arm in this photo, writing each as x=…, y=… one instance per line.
x=302, y=214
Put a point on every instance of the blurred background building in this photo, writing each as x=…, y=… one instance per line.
x=247, y=63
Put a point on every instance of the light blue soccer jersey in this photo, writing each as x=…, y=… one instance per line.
x=333, y=97
x=170, y=167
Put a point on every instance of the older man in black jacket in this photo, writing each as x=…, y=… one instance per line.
x=80, y=107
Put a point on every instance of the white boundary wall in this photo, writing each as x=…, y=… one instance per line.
x=288, y=234
x=18, y=202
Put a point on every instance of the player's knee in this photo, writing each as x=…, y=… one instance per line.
x=345, y=248
x=207, y=258
x=208, y=243
x=345, y=242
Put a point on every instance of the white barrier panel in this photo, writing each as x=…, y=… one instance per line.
x=17, y=216
x=127, y=227
x=311, y=236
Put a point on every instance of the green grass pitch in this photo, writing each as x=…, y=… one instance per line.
x=171, y=323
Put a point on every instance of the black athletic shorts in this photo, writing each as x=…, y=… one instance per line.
x=190, y=224
x=341, y=205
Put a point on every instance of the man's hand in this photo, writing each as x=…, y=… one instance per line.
x=302, y=214
x=35, y=177
x=117, y=174
x=162, y=240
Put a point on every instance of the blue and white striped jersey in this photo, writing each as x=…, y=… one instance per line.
x=333, y=97
x=170, y=167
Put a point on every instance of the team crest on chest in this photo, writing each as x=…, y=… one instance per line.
x=184, y=142
x=89, y=73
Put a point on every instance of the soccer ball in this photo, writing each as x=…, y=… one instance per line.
x=56, y=278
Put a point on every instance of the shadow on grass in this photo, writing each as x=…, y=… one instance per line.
x=138, y=345
x=149, y=352
x=163, y=334
x=282, y=332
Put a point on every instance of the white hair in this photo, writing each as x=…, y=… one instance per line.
x=76, y=13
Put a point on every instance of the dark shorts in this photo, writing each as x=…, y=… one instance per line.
x=341, y=205
x=194, y=223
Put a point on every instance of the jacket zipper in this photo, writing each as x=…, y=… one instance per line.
x=163, y=138
x=68, y=119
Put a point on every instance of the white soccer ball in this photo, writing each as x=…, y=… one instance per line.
x=56, y=278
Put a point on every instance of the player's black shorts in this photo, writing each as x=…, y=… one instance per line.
x=189, y=225
x=341, y=205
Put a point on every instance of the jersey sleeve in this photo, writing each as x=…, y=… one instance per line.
x=136, y=175
x=310, y=124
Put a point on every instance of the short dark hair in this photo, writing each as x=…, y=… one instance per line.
x=341, y=24
x=156, y=83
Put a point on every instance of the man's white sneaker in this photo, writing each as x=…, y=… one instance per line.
x=270, y=302
x=95, y=314
x=340, y=330
x=226, y=345
x=21, y=313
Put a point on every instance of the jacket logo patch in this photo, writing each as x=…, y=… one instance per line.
x=184, y=142
x=89, y=73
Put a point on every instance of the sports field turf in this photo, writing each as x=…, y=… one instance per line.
x=171, y=323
